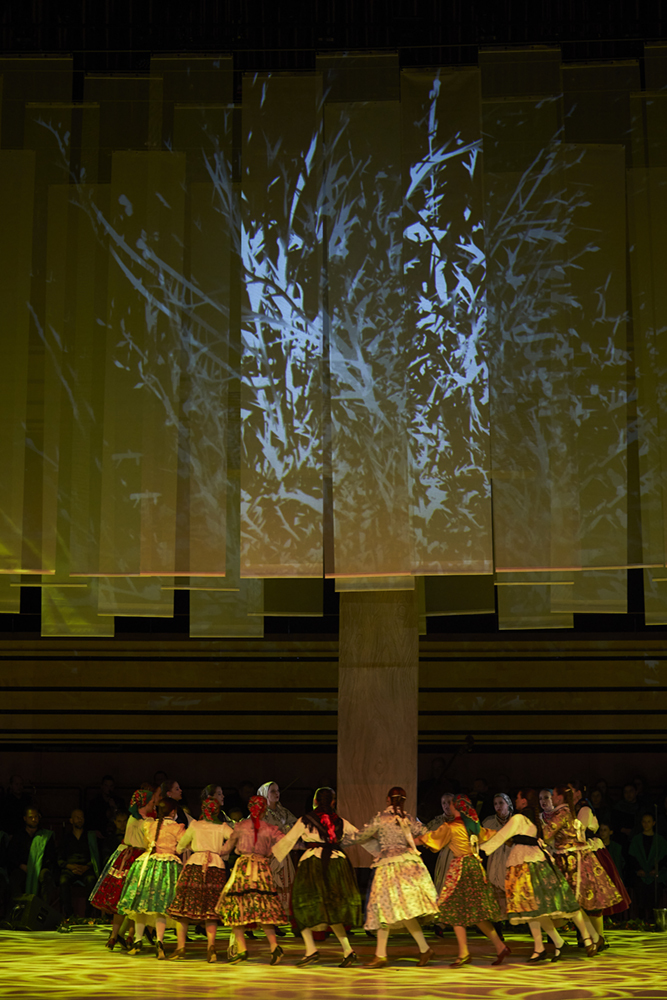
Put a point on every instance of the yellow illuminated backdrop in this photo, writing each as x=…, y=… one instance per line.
x=418, y=313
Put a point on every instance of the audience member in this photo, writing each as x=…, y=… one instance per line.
x=482, y=798
x=14, y=805
x=102, y=809
x=32, y=858
x=600, y=806
x=429, y=791
x=114, y=839
x=625, y=816
x=648, y=859
x=79, y=860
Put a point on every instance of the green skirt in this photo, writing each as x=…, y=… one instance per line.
x=150, y=886
x=537, y=889
x=466, y=896
x=320, y=900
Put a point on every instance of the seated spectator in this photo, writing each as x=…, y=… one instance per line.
x=14, y=805
x=32, y=859
x=625, y=818
x=79, y=861
x=102, y=809
x=648, y=858
x=115, y=839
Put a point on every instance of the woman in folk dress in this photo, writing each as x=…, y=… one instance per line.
x=151, y=883
x=466, y=898
x=202, y=878
x=250, y=896
x=402, y=892
x=535, y=890
x=325, y=891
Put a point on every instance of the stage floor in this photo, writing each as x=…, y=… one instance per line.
x=47, y=965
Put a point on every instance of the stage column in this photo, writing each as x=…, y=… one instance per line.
x=378, y=687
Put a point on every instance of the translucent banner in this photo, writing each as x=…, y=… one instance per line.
x=17, y=181
x=445, y=318
x=143, y=364
x=368, y=351
x=281, y=390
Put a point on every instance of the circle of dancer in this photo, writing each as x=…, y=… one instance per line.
x=541, y=861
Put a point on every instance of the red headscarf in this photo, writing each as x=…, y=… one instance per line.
x=257, y=807
x=465, y=806
x=141, y=797
x=210, y=809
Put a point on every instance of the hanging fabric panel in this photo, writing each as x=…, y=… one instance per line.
x=143, y=364
x=369, y=345
x=191, y=80
x=69, y=603
x=136, y=597
x=281, y=389
x=17, y=182
x=444, y=267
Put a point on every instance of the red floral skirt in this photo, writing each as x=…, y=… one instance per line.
x=110, y=884
x=607, y=862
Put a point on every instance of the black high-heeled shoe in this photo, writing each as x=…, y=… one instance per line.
x=110, y=943
x=159, y=952
x=538, y=956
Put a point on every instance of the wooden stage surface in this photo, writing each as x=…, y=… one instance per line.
x=49, y=965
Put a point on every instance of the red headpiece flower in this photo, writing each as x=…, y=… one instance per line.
x=257, y=807
x=464, y=805
x=210, y=809
x=141, y=797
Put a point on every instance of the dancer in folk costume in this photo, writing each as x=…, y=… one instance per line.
x=586, y=816
x=576, y=861
x=535, y=890
x=503, y=808
x=466, y=898
x=250, y=896
x=150, y=886
x=109, y=886
x=402, y=892
x=202, y=879
x=279, y=816
x=325, y=891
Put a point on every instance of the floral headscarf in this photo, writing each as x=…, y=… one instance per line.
x=257, y=807
x=209, y=809
x=468, y=813
x=141, y=797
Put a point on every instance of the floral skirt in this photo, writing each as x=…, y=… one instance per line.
x=536, y=889
x=197, y=893
x=591, y=885
x=150, y=887
x=110, y=884
x=402, y=889
x=250, y=895
x=466, y=896
x=321, y=898
x=607, y=862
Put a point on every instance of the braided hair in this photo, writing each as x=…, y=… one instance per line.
x=165, y=808
x=324, y=818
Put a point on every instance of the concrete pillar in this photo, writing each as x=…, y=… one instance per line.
x=378, y=690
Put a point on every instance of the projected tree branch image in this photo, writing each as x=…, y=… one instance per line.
x=402, y=319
